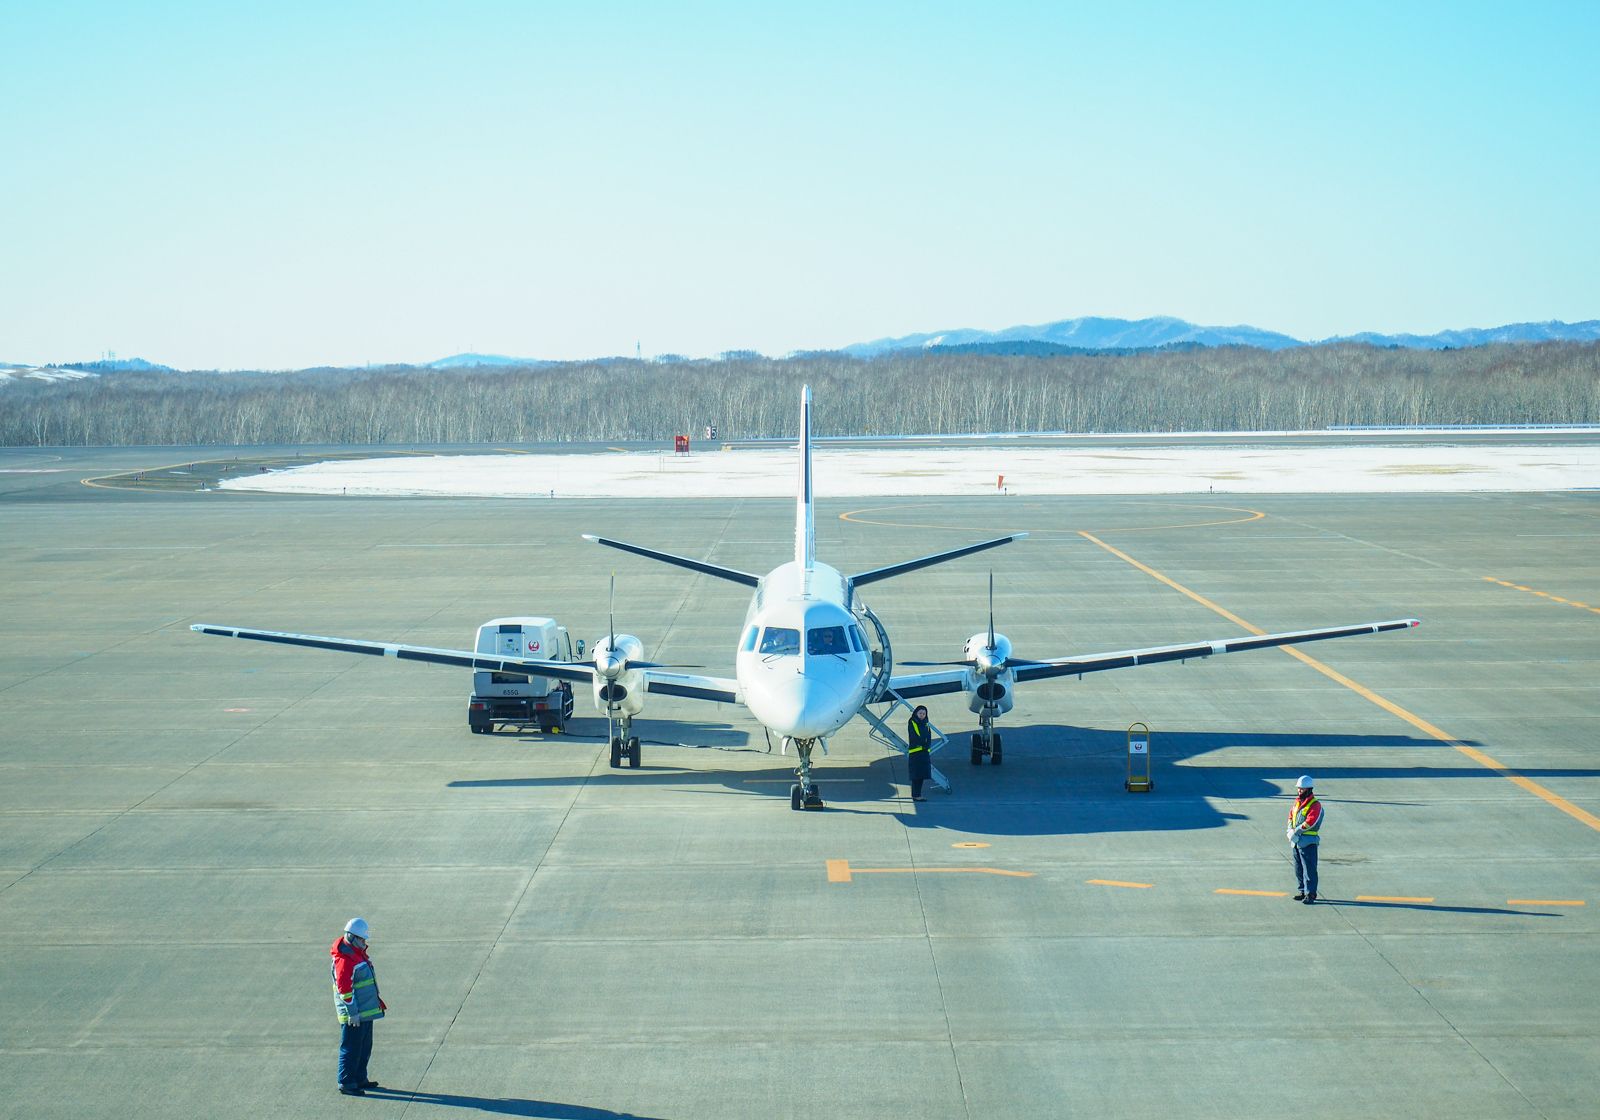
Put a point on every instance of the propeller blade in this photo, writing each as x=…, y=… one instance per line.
x=611, y=613
x=932, y=663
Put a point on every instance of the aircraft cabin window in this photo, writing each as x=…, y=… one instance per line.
x=822, y=640
x=749, y=642
x=857, y=640
x=780, y=639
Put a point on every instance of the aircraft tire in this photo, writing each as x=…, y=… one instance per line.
x=994, y=754
x=635, y=754
x=616, y=752
x=794, y=797
x=977, y=749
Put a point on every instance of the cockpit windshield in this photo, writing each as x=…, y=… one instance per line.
x=780, y=639
x=821, y=640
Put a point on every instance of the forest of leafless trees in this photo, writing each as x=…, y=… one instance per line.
x=1227, y=388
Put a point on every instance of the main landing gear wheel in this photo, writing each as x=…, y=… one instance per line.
x=994, y=751
x=977, y=749
x=794, y=797
x=616, y=752
x=634, y=752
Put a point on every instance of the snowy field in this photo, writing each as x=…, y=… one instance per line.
x=949, y=471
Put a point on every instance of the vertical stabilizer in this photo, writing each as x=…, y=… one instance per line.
x=805, y=533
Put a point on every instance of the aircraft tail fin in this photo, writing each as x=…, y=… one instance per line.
x=805, y=531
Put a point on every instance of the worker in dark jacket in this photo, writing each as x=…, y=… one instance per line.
x=919, y=764
x=358, y=1005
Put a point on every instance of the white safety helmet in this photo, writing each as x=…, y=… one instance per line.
x=1303, y=783
x=357, y=927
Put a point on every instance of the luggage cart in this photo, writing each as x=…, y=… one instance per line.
x=1138, y=754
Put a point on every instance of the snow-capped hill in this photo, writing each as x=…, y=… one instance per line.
x=1089, y=333
x=468, y=361
x=1552, y=330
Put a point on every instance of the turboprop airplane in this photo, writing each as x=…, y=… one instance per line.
x=803, y=665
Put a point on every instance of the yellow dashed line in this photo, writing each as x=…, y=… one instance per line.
x=1118, y=883
x=1544, y=902
x=1544, y=595
x=1361, y=690
x=1389, y=898
x=840, y=871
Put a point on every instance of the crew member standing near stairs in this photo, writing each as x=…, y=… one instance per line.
x=919, y=762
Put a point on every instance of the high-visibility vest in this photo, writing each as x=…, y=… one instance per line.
x=916, y=730
x=1301, y=813
x=365, y=1006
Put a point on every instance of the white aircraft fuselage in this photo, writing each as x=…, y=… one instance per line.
x=803, y=666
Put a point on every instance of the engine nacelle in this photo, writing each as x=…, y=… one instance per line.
x=989, y=683
x=617, y=688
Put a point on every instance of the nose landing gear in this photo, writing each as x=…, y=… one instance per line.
x=626, y=745
x=804, y=794
x=986, y=741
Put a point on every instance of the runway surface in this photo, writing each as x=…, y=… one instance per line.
x=186, y=822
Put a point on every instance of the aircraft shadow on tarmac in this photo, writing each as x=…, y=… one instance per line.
x=507, y=1106
x=1061, y=780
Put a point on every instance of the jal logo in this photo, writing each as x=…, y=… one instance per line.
x=533, y=645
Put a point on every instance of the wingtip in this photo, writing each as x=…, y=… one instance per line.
x=1018, y=536
x=589, y=536
x=1414, y=621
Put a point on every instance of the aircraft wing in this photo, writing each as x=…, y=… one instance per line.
x=559, y=670
x=954, y=680
x=721, y=689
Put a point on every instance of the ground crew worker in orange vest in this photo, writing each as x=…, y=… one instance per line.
x=358, y=1005
x=919, y=763
x=1305, y=822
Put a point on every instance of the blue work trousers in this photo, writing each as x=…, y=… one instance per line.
x=1305, y=867
x=355, y=1047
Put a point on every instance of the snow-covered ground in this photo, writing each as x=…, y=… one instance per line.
x=961, y=470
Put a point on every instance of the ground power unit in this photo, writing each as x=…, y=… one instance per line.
x=512, y=699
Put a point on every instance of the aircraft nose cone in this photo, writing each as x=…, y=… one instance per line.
x=805, y=709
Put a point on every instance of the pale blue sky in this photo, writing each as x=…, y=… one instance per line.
x=286, y=185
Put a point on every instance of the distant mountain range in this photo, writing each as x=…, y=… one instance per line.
x=1064, y=336
x=1077, y=335
x=471, y=361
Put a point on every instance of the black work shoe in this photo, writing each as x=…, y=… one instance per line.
x=1310, y=898
x=352, y=1090
x=919, y=799
x=370, y=1085
x=1300, y=897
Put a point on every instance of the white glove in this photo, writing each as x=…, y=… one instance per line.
x=1290, y=834
x=352, y=1016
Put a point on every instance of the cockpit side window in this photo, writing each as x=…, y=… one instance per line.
x=822, y=640
x=857, y=640
x=749, y=642
x=780, y=639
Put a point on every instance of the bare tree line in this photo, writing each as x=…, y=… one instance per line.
x=1220, y=389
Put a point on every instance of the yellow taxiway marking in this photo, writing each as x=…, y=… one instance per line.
x=1545, y=902
x=512, y=451
x=1262, y=894
x=840, y=871
x=1389, y=898
x=1544, y=595
x=1119, y=883
x=1361, y=690
x=1255, y=515
x=969, y=844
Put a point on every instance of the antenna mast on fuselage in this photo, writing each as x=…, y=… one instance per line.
x=805, y=534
